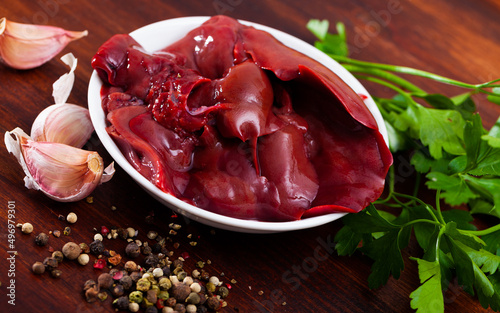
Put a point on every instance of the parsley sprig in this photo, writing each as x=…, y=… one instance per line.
x=457, y=157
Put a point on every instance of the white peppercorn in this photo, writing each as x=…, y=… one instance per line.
x=27, y=228
x=133, y=307
x=83, y=259
x=71, y=218
x=98, y=237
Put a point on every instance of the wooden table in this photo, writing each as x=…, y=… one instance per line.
x=285, y=272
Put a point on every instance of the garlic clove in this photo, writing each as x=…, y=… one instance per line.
x=62, y=172
x=64, y=123
x=26, y=46
x=62, y=87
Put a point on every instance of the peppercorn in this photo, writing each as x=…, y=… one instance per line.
x=195, y=287
x=50, y=263
x=130, y=266
x=180, y=291
x=56, y=273
x=166, y=271
x=121, y=303
x=151, y=309
x=214, y=280
x=58, y=255
x=89, y=284
x=203, y=298
x=164, y=283
x=135, y=296
x=133, y=307
x=105, y=281
x=223, y=292
x=91, y=294
x=127, y=282
x=135, y=276
x=210, y=287
x=96, y=247
x=151, y=260
x=143, y=284
x=201, y=309
x=71, y=250
x=130, y=232
x=193, y=298
x=27, y=228
x=163, y=295
x=204, y=275
x=152, y=296
x=71, y=218
x=170, y=302
x=177, y=263
x=38, y=268
x=188, y=280
x=115, y=260
x=213, y=303
x=157, y=272
x=179, y=307
x=191, y=308
x=67, y=231
x=118, y=291
x=102, y=295
x=41, y=239
x=85, y=247
x=132, y=250
x=83, y=259
x=147, y=250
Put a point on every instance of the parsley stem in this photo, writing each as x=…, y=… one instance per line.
x=422, y=220
x=438, y=207
x=388, y=85
x=411, y=71
x=426, y=206
x=481, y=232
x=403, y=83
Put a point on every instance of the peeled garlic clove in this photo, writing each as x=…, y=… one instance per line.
x=62, y=172
x=65, y=123
x=26, y=46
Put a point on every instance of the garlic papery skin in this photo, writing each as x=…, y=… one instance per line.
x=62, y=172
x=26, y=46
x=65, y=123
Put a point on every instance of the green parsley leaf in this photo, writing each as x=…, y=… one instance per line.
x=455, y=189
x=429, y=296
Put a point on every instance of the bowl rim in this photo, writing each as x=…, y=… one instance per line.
x=179, y=206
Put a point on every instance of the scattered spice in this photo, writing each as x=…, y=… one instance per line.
x=58, y=255
x=71, y=218
x=132, y=250
x=89, y=199
x=41, y=239
x=105, y=281
x=67, y=231
x=56, y=233
x=38, y=268
x=27, y=228
x=98, y=237
x=85, y=248
x=115, y=260
x=99, y=264
x=55, y=273
x=83, y=259
x=61, y=217
x=71, y=250
x=96, y=247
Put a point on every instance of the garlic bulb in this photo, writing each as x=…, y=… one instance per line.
x=26, y=46
x=62, y=172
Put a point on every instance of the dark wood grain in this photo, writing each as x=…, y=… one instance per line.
x=296, y=271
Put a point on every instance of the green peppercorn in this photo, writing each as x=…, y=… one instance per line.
x=193, y=298
x=163, y=295
x=135, y=296
x=223, y=292
x=165, y=283
x=210, y=287
x=181, y=275
x=41, y=239
x=67, y=230
x=143, y=284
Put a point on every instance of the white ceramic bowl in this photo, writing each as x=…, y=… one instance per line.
x=157, y=36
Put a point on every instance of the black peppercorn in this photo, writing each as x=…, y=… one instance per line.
x=50, y=263
x=151, y=260
x=179, y=307
x=96, y=247
x=127, y=282
x=56, y=273
x=41, y=239
x=105, y=281
x=132, y=250
x=213, y=303
x=121, y=303
x=152, y=309
x=118, y=290
x=180, y=291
